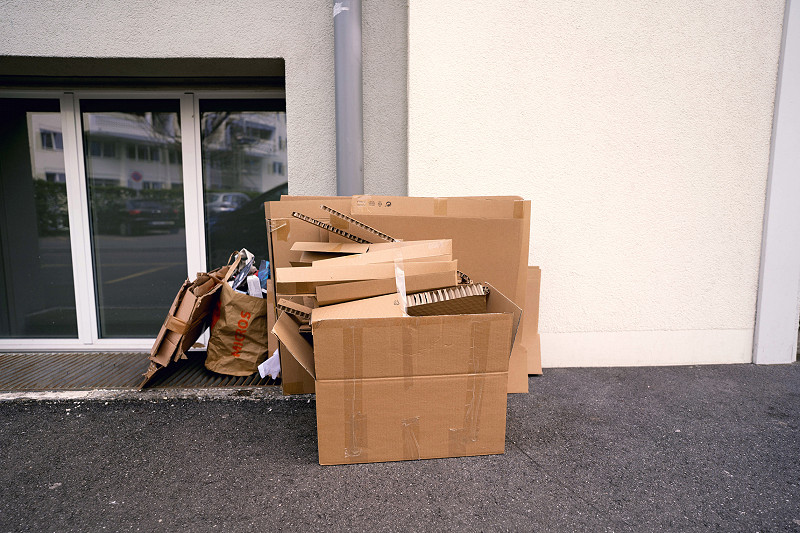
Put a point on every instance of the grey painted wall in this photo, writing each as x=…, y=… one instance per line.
x=299, y=31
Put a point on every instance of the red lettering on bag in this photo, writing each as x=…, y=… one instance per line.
x=239, y=336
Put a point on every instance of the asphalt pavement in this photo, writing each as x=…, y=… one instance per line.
x=622, y=449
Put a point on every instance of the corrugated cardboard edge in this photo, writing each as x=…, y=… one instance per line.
x=518, y=365
x=294, y=378
x=530, y=337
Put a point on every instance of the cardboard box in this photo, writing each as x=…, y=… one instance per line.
x=490, y=241
x=403, y=388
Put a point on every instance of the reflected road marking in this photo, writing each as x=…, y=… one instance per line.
x=142, y=273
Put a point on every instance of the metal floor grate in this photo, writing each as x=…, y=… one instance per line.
x=109, y=370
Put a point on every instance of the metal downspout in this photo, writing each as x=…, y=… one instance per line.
x=349, y=110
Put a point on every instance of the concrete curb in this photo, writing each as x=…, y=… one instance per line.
x=272, y=393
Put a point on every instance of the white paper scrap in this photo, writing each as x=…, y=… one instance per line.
x=271, y=367
x=254, y=286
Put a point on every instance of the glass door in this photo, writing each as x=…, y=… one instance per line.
x=134, y=181
x=36, y=283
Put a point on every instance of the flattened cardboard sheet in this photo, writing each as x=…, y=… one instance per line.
x=315, y=274
x=356, y=290
x=354, y=227
x=288, y=331
x=441, y=250
x=330, y=247
x=468, y=207
x=187, y=318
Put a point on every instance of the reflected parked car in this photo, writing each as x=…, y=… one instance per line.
x=225, y=202
x=243, y=228
x=138, y=216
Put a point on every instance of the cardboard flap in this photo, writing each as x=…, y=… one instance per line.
x=377, y=307
x=499, y=303
x=455, y=206
x=288, y=333
x=330, y=247
x=356, y=290
x=357, y=272
x=436, y=250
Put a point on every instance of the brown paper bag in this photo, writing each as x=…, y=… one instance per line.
x=238, y=342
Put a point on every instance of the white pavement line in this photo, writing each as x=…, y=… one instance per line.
x=244, y=394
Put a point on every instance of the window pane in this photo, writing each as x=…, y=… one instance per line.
x=37, y=297
x=47, y=140
x=240, y=149
x=136, y=213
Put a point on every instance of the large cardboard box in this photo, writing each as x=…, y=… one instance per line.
x=400, y=388
x=490, y=239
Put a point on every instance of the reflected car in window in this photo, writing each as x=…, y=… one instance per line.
x=224, y=202
x=136, y=217
x=243, y=228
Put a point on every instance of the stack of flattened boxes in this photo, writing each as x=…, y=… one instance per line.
x=394, y=387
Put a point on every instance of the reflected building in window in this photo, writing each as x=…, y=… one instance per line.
x=244, y=151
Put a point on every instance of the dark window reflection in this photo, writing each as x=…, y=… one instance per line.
x=37, y=297
x=136, y=211
x=244, y=165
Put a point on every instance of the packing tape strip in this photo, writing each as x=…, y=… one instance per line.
x=410, y=431
x=279, y=228
x=409, y=334
x=461, y=437
x=355, y=420
x=519, y=209
x=440, y=207
x=479, y=353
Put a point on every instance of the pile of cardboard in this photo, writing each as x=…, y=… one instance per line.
x=401, y=313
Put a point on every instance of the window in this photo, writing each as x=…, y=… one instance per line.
x=52, y=140
x=237, y=155
x=110, y=279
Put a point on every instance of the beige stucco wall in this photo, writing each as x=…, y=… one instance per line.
x=640, y=131
x=300, y=31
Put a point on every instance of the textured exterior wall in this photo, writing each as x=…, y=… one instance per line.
x=640, y=130
x=300, y=31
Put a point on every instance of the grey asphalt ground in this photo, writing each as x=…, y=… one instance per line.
x=703, y=448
